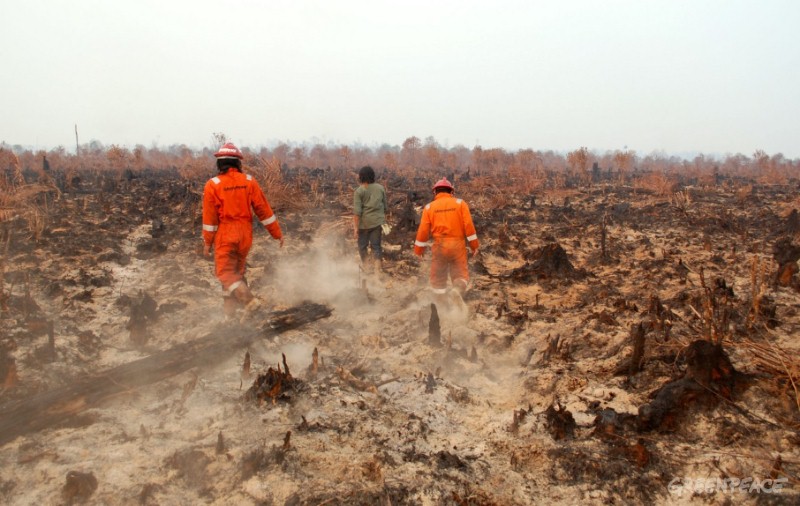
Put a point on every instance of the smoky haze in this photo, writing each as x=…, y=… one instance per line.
x=713, y=77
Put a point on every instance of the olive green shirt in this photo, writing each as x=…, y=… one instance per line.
x=369, y=204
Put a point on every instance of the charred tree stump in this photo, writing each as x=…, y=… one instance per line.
x=709, y=365
x=220, y=448
x=603, y=234
x=709, y=377
x=793, y=222
x=61, y=405
x=434, y=330
x=272, y=385
x=78, y=487
x=430, y=383
x=313, y=368
x=633, y=364
x=407, y=218
x=143, y=311
x=552, y=349
x=559, y=421
x=786, y=253
x=548, y=262
x=637, y=335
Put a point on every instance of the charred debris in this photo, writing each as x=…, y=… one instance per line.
x=674, y=299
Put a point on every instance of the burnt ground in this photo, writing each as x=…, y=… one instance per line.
x=612, y=341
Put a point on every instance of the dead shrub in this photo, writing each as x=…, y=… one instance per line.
x=282, y=194
x=657, y=183
x=743, y=193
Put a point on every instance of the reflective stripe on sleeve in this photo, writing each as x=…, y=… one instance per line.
x=215, y=179
x=458, y=201
x=421, y=244
x=210, y=228
x=272, y=219
x=473, y=237
x=249, y=177
x=439, y=290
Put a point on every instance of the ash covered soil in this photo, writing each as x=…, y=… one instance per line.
x=612, y=341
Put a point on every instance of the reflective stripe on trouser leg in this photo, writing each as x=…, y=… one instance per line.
x=233, y=287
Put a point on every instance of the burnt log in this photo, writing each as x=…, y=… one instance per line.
x=63, y=405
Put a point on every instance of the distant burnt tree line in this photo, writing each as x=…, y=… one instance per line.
x=416, y=161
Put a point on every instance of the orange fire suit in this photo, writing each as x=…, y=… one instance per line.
x=448, y=222
x=228, y=200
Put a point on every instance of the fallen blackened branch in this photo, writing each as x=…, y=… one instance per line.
x=709, y=377
x=61, y=405
x=295, y=317
x=354, y=382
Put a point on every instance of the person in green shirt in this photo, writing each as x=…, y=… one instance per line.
x=369, y=213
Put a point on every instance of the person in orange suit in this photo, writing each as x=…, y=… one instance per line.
x=448, y=223
x=229, y=199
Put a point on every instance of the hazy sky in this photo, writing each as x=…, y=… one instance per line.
x=714, y=76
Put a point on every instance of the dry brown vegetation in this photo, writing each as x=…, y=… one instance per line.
x=631, y=320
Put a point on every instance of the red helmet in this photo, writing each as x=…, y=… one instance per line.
x=229, y=150
x=443, y=183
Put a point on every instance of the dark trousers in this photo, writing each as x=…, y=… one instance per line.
x=370, y=237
